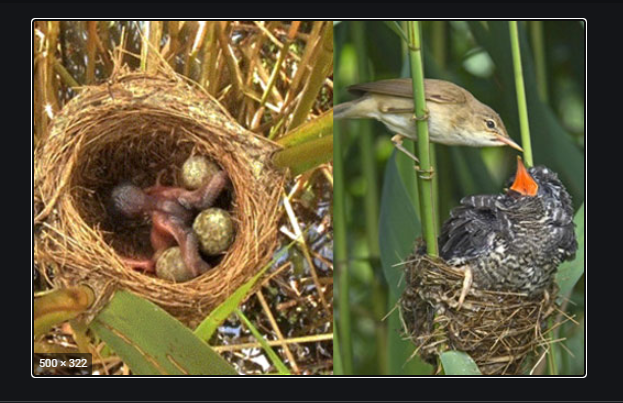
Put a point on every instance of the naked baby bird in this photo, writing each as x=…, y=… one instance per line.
x=171, y=210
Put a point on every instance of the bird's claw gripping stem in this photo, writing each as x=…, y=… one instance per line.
x=424, y=117
x=425, y=174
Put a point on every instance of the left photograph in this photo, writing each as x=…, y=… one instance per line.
x=182, y=198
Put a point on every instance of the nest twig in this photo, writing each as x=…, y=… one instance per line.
x=499, y=330
x=133, y=128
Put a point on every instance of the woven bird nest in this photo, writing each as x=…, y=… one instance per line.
x=499, y=330
x=134, y=128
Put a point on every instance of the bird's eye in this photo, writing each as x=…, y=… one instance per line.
x=490, y=124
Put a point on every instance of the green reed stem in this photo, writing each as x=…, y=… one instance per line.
x=524, y=123
x=424, y=178
x=538, y=47
x=340, y=250
x=371, y=202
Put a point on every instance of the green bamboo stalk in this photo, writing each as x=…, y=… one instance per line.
x=340, y=250
x=371, y=203
x=337, y=359
x=424, y=179
x=439, y=42
x=521, y=95
x=538, y=47
x=433, y=162
x=403, y=162
x=371, y=199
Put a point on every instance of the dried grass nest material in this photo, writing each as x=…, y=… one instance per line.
x=133, y=128
x=499, y=330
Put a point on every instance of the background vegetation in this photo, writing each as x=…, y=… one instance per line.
x=376, y=221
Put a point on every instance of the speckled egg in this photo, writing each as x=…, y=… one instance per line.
x=170, y=266
x=196, y=170
x=215, y=230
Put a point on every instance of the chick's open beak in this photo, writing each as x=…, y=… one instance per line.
x=524, y=184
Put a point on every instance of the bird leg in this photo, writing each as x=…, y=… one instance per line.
x=147, y=265
x=171, y=211
x=427, y=175
x=397, y=140
x=161, y=239
x=168, y=230
x=206, y=195
x=468, y=279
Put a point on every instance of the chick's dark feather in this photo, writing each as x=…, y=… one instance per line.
x=510, y=241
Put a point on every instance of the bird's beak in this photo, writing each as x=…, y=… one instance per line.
x=524, y=184
x=508, y=141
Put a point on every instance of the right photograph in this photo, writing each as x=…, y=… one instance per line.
x=459, y=188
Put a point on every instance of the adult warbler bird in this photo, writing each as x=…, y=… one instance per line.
x=455, y=116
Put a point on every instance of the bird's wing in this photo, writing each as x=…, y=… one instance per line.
x=470, y=230
x=444, y=92
x=436, y=90
x=398, y=87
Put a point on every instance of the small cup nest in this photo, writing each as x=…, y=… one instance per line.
x=499, y=330
x=136, y=127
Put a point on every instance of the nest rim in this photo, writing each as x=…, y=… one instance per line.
x=152, y=113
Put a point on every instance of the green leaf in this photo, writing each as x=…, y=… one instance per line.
x=397, y=29
x=281, y=367
x=152, y=342
x=305, y=156
x=458, y=363
x=570, y=272
x=571, y=362
x=400, y=350
x=208, y=326
x=399, y=226
x=58, y=306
